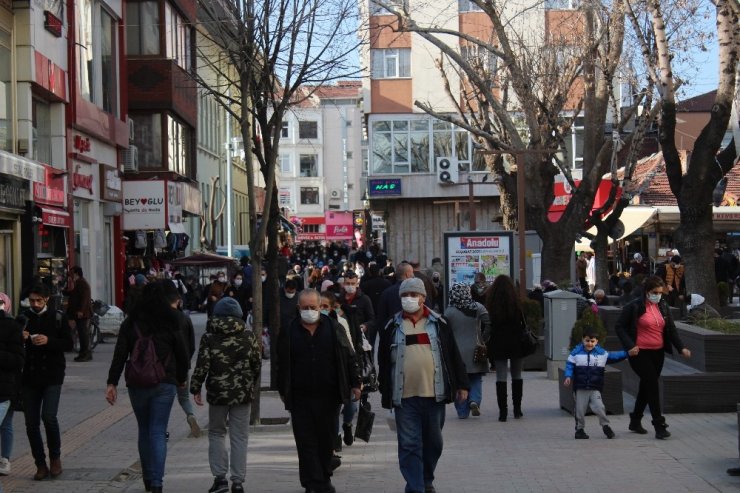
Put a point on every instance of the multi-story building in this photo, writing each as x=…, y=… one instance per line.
x=34, y=220
x=160, y=193
x=420, y=167
x=321, y=159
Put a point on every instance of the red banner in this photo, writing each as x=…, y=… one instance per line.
x=339, y=226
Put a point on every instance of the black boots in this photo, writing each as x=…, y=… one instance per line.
x=636, y=424
x=502, y=399
x=661, y=432
x=516, y=396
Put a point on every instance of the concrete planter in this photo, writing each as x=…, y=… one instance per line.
x=710, y=351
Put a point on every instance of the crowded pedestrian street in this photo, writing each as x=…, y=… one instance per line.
x=534, y=454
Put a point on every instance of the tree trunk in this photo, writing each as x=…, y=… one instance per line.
x=554, y=250
x=693, y=238
x=273, y=283
x=601, y=251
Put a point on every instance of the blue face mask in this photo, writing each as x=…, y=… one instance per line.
x=654, y=298
x=325, y=312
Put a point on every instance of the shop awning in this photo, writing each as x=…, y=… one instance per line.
x=633, y=218
x=311, y=237
x=51, y=216
x=204, y=259
x=12, y=164
x=671, y=214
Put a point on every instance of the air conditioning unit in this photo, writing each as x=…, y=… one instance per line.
x=130, y=129
x=130, y=159
x=447, y=171
x=335, y=194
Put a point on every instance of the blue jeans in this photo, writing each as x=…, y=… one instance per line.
x=419, y=422
x=474, y=395
x=152, y=410
x=42, y=405
x=6, y=435
x=183, y=398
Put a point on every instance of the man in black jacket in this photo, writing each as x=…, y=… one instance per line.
x=47, y=336
x=425, y=373
x=316, y=373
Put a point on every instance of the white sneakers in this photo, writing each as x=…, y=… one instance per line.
x=4, y=466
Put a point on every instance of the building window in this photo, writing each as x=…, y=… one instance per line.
x=6, y=93
x=308, y=130
x=309, y=195
x=97, y=55
x=142, y=28
x=468, y=6
x=562, y=4
x=285, y=130
x=309, y=165
x=108, y=51
x=286, y=167
x=376, y=9
x=413, y=146
x=310, y=228
x=148, y=139
x=391, y=63
x=483, y=61
x=86, y=52
x=41, y=121
x=284, y=198
x=177, y=37
x=573, y=141
x=178, y=146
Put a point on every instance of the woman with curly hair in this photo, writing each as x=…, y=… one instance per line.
x=504, y=347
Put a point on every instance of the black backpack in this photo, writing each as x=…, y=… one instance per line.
x=143, y=368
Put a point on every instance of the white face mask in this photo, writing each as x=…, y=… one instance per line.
x=350, y=289
x=264, y=278
x=654, y=298
x=221, y=279
x=410, y=305
x=237, y=282
x=289, y=295
x=310, y=316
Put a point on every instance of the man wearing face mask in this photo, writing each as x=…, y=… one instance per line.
x=316, y=373
x=216, y=291
x=47, y=336
x=358, y=309
x=420, y=370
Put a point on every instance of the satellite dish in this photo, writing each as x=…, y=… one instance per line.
x=617, y=230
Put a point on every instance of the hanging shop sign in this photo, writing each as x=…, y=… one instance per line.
x=339, y=226
x=384, y=187
x=144, y=205
x=50, y=189
x=192, y=202
x=111, y=185
x=13, y=193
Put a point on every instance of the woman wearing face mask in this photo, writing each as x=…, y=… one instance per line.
x=647, y=331
x=241, y=292
x=216, y=291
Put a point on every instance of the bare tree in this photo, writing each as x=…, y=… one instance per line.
x=521, y=90
x=707, y=164
x=265, y=53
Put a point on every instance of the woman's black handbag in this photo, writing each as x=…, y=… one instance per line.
x=480, y=353
x=365, y=420
x=529, y=341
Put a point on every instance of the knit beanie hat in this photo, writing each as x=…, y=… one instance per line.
x=413, y=285
x=227, y=307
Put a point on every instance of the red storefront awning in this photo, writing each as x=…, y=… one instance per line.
x=311, y=237
x=311, y=220
x=51, y=216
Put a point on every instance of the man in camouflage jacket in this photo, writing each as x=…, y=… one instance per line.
x=229, y=362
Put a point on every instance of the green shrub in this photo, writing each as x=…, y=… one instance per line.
x=532, y=315
x=723, y=289
x=722, y=325
x=589, y=318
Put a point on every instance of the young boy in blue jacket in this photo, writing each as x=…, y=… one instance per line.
x=585, y=370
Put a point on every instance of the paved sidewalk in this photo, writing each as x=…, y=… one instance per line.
x=534, y=454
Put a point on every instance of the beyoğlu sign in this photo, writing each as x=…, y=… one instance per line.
x=144, y=205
